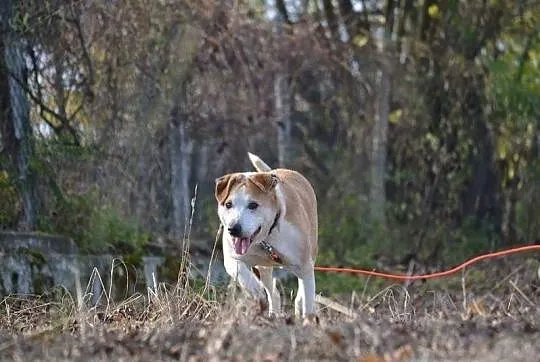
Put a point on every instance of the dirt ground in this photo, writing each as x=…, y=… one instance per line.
x=496, y=319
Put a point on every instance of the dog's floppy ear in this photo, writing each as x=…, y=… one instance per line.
x=224, y=185
x=265, y=181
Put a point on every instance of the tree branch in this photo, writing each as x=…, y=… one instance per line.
x=44, y=108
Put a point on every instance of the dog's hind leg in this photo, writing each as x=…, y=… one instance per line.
x=306, y=287
x=274, y=299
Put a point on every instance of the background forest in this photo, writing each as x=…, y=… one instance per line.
x=416, y=120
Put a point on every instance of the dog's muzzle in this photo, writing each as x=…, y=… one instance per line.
x=242, y=244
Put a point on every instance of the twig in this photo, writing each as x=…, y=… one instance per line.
x=376, y=296
x=520, y=292
x=210, y=264
x=464, y=291
x=335, y=306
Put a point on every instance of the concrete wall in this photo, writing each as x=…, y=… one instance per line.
x=33, y=263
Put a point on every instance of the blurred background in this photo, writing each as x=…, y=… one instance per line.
x=416, y=120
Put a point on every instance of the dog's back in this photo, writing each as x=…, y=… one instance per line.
x=301, y=205
x=299, y=200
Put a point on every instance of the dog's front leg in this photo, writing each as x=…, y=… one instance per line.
x=298, y=300
x=274, y=299
x=240, y=272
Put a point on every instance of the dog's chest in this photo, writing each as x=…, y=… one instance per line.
x=283, y=247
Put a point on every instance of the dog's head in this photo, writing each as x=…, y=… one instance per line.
x=247, y=206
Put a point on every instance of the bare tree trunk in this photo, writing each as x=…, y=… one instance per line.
x=140, y=192
x=283, y=115
x=379, y=148
x=401, y=42
x=19, y=115
x=282, y=11
x=425, y=19
x=380, y=130
x=181, y=150
x=202, y=163
x=61, y=99
x=282, y=96
x=147, y=101
x=331, y=18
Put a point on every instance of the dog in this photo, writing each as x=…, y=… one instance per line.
x=269, y=219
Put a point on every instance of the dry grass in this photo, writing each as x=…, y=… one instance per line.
x=423, y=322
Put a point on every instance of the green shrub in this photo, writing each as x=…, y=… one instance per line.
x=9, y=202
x=68, y=215
x=107, y=228
x=527, y=215
x=92, y=225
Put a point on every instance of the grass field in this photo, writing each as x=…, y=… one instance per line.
x=465, y=318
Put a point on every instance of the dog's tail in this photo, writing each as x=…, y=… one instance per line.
x=259, y=164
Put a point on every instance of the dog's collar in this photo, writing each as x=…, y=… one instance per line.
x=265, y=245
x=271, y=252
x=274, y=224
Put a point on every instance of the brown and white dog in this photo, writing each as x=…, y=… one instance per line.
x=270, y=220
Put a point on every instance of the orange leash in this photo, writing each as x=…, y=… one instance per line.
x=440, y=274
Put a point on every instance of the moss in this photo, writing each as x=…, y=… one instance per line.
x=170, y=268
x=93, y=225
x=41, y=283
x=134, y=258
x=9, y=201
x=14, y=279
x=35, y=257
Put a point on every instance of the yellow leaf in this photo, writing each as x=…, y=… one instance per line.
x=433, y=140
x=502, y=148
x=395, y=116
x=433, y=11
x=360, y=40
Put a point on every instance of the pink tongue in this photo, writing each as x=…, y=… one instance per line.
x=245, y=245
x=240, y=245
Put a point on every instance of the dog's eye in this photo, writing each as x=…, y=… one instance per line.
x=228, y=204
x=253, y=205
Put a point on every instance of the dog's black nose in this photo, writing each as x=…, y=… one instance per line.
x=235, y=230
